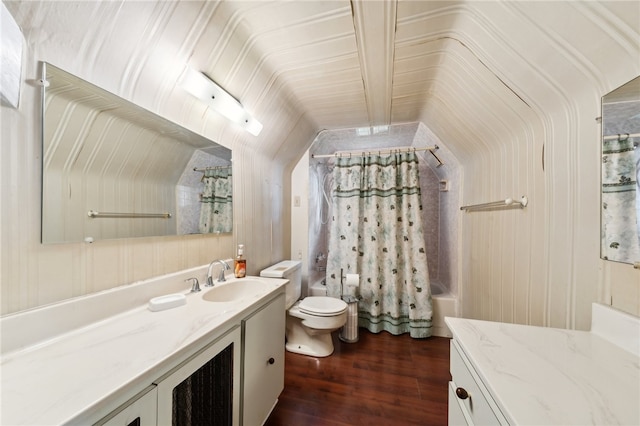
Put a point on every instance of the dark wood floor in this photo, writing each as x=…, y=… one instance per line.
x=380, y=380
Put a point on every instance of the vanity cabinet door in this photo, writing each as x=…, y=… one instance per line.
x=457, y=413
x=469, y=401
x=263, y=379
x=205, y=389
x=139, y=411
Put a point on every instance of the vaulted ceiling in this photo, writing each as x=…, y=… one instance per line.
x=473, y=72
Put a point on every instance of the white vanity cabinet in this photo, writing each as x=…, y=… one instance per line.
x=191, y=357
x=469, y=401
x=236, y=380
x=520, y=374
x=263, y=354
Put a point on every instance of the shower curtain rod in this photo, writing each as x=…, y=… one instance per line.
x=619, y=135
x=380, y=152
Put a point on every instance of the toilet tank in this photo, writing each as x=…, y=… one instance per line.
x=289, y=270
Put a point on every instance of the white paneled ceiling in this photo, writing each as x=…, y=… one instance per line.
x=471, y=71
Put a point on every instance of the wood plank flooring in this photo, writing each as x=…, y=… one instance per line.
x=380, y=380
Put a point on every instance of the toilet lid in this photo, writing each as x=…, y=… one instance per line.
x=322, y=305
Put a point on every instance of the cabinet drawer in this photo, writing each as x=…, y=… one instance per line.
x=458, y=415
x=478, y=407
x=138, y=411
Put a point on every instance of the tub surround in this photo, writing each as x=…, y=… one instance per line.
x=538, y=375
x=109, y=347
x=444, y=305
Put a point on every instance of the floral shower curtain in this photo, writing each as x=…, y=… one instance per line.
x=619, y=198
x=376, y=231
x=216, y=212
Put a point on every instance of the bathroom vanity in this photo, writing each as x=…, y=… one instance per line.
x=107, y=359
x=508, y=374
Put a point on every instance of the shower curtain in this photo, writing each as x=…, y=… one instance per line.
x=216, y=212
x=620, y=235
x=376, y=231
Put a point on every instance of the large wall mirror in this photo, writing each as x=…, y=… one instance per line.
x=111, y=169
x=620, y=230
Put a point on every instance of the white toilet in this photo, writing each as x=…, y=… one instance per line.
x=311, y=320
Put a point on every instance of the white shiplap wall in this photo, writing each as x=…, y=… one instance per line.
x=495, y=81
x=539, y=265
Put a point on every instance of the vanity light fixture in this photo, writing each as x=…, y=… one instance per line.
x=205, y=89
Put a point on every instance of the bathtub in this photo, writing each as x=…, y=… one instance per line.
x=444, y=304
x=318, y=287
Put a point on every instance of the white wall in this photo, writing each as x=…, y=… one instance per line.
x=526, y=97
x=105, y=44
x=300, y=217
x=504, y=81
x=33, y=274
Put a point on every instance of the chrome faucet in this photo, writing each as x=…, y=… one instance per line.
x=195, y=285
x=221, y=278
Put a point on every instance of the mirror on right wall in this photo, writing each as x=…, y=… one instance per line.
x=620, y=214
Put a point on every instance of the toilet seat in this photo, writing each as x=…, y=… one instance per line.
x=322, y=306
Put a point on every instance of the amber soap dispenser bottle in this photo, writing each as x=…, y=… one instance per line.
x=240, y=263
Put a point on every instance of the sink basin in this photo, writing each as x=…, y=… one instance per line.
x=237, y=290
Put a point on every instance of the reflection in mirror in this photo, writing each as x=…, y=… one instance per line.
x=620, y=233
x=111, y=169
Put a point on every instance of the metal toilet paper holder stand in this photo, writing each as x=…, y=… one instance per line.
x=349, y=332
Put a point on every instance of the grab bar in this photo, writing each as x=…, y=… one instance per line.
x=506, y=202
x=95, y=214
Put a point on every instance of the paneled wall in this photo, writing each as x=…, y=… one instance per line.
x=536, y=135
x=34, y=274
x=512, y=88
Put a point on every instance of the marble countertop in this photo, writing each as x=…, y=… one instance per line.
x=546, y=376
x=83, y=374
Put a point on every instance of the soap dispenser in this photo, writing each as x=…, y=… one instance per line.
x=240, y=263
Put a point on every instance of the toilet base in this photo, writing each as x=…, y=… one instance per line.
x=318, y=347
x=308, y=341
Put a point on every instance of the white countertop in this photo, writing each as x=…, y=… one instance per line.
x=88, y=371
x=546, y=376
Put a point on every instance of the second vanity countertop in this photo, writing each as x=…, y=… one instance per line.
x=547, y=376
x=74, y=377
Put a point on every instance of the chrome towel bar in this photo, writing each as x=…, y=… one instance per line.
x=495, y=204
x=95, y=214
